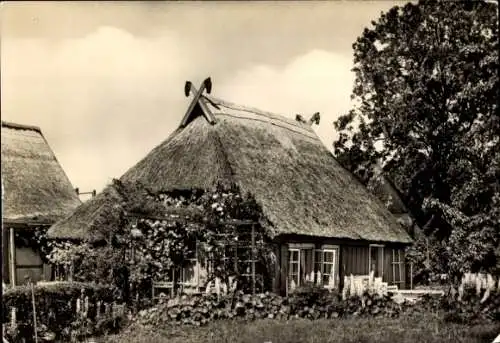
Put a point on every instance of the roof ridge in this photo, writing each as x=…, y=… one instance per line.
x=21, y=126
x=312, y=134
x=257, y=111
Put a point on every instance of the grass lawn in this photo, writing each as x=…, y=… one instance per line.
x=401, y=330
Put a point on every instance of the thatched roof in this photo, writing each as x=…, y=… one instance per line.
x=36, y=189
x=301, y=187
x=386, y=191
x=93, y=213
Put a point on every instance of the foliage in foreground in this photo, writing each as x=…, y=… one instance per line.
x=415, y=329
x=199, y=310
x=469, y=309
x=56, y=311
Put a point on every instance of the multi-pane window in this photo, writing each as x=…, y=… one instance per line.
x=325, y=260
x=306, y=264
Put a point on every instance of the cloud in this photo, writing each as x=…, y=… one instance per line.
x=106, y=99
x=316, y=81
x=101, y=100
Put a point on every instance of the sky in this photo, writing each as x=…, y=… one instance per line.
x=105, y=81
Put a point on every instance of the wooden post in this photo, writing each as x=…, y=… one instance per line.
x=86, y=306
x=12, y=250
x=253, y=259
x=5, y=255
x=286, y=287
x=411, y=275
x=236, y=257
x=172, y=292
x=13, y=320
x=394, y=267
x=277, y=269
x=34, y=311
x=197, y=264
x=284, y=268
x=402, y=278
x=98, y=310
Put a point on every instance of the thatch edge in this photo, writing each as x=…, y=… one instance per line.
x=21, y=127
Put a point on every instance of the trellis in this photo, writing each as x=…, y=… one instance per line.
x=248, y=240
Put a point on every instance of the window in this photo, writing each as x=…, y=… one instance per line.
x=190, y=274
x=397, y=266
x=325, y=267
x=294, y=268
x=306, y=264
x=194, y=273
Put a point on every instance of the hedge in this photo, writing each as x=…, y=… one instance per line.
x=56, y=309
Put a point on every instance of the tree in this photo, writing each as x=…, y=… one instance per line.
x=426, y=93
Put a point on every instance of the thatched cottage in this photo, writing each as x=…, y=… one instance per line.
x=36, y=193
x=324, y=220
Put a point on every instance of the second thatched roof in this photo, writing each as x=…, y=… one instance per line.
x=36, y=188
x=301, y=187
x=385, y=190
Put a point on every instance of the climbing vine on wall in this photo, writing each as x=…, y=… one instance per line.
x=155, y=231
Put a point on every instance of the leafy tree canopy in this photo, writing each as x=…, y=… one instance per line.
x=426, y=93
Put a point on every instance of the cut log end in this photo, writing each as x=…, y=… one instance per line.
x=208, y=85
x=187, y=88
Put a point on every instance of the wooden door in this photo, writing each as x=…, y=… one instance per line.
x=376, y=260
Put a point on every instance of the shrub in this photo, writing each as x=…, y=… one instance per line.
x=304, y=303
x=468, y=309
x=315, y=302
x=55, y=308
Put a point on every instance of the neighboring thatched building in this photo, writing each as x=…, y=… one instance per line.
x=36, y=193
x=325, y=221
x=386, y=191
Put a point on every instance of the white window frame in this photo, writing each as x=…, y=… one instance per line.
x=290, y=263
x=335, y=249
x=299, y=247
x=315, y=265
x=326, y=248
x=322, y=264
